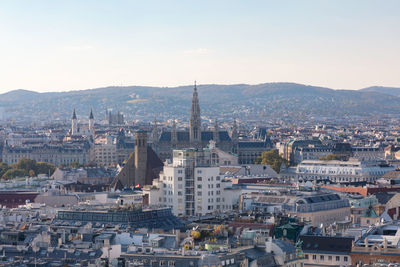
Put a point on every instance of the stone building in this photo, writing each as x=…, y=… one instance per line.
x=197, y=137
x=380, y=244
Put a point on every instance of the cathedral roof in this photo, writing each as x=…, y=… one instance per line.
x=253, y=144
x=153, y=168
x=183, y=136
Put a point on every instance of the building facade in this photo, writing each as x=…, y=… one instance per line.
x=197, y=137
x=192, y=185
x=335, y=171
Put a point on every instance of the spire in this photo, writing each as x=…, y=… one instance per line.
x=74, y=115
x=216, y=131
x=155, y=132
x=234, y=134
x=174, y=134
x=195, y=120
x=91, y=117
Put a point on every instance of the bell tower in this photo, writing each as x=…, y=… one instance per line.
x=140, y=157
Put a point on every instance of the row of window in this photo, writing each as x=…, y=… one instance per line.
x=328, y=258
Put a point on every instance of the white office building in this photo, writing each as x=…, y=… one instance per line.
x=335, y=171
x=192, y=185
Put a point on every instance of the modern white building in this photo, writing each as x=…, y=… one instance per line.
x=335, y=171
x=192, y=185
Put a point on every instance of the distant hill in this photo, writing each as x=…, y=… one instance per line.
x=268, y=100
x=395, y=91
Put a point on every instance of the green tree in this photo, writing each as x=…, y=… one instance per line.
x=75, y=164
x=273, y=159
x=13, y=173
x=3, y=168
x=44, y=168
x=26, y=165
x=330, y=157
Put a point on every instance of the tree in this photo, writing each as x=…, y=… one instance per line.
x=13, y=173
x=26, y=165
x=45, y=168
x=330, y=157
x=75, y=164
x=273, y=159
x=3, y=168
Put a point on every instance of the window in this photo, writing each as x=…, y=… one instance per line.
x=180, y=171
x=199, y=179
x=199, y=193
x=329, y=258
x=345, y=258
x=314, y=257
x=199, y=186
x=198, y=171
x=179, y=179
x=321, y=257
x=337, y=258
x=306, y=256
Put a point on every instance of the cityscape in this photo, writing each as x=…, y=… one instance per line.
x=205, y=165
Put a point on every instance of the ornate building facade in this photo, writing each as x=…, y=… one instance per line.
x=195, y=137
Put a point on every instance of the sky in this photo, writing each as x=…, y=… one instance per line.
x=79, y=44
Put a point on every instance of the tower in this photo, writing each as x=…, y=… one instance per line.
x=216, y=132
x=234, y=134
x=235, y=137
x=154, y=135
x=91, y=122
x=140, y=157
x=174, y=134
x=195, y=121
x=74, y=124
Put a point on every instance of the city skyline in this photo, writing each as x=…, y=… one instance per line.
x=62, y=46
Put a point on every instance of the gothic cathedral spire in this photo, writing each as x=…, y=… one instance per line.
x=195, y=120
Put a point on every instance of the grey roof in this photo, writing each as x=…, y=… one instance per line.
x=183, y=136
x=322, y=198
x=253, y=144
x=209, y=260
x=285, y=246
x=326, y=243
x=261, y=256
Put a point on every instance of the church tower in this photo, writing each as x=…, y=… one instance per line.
x=74, y=124
x=91, y=123
x=195, y=121
x=154, y=136
x=140, y=157
x=174, y=134
x=216, y=132
x=235, y=137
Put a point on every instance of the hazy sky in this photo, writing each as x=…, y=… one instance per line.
x=59, y=45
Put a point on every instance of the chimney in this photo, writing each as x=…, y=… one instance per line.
x=268, y=245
